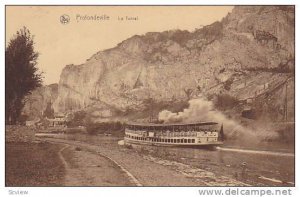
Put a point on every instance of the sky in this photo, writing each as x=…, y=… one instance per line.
x=60, y=44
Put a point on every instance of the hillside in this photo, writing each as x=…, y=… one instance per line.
x=248, y=56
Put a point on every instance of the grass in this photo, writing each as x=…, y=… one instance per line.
x=33, y=164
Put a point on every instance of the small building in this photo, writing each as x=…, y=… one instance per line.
x=57, y=121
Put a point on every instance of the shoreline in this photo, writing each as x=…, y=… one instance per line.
x=99, y=161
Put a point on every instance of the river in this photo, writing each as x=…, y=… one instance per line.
x=265, y=164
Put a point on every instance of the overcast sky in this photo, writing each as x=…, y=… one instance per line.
x=72, y=43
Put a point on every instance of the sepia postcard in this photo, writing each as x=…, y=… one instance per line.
x=108, y=96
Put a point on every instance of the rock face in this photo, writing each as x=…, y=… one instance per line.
x=37, y=102
x=247, y=53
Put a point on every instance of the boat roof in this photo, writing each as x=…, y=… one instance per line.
x=170, y=124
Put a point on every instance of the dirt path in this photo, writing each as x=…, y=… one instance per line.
x=86, y=168
x=133, y=168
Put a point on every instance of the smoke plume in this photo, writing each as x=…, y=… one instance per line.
x=201, y=110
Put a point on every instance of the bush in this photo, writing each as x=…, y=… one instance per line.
x=227, y=84
x=78, y=119
x=225, y=101
x=102, y=127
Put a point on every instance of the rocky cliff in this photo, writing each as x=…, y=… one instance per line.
x=246, y=54
x=38, y=100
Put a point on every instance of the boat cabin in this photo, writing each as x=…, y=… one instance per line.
x=203, y=133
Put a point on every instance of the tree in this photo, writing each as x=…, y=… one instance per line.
x=49, y=111
x=188, y=93
x=21, y=73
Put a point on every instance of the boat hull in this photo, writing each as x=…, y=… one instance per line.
x=192, y=145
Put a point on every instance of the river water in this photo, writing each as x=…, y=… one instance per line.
x=265, y=164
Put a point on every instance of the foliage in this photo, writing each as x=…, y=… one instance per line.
x=188, y=92
x=77, y=119
x=21, y=73
x=49, y=111
x=225, y=101
x=227, y=84
x=105, y=127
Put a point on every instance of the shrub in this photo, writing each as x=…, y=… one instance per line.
x=77, y=119
x=225, y=101
x=102, y=127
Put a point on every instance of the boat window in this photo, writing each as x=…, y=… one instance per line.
x=193, y=140
x=189, y=140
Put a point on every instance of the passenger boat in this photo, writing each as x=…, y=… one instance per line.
x=192, y=134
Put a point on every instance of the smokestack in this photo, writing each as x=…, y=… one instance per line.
x=221, y=136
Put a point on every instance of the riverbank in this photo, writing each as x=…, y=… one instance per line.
x=248, y=167
x=148, y=170
x=30, y=162
x=33, y=164
x=98, y=160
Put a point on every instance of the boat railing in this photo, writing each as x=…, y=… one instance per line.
x=175, y=134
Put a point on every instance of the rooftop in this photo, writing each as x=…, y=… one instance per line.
x=169, y=124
